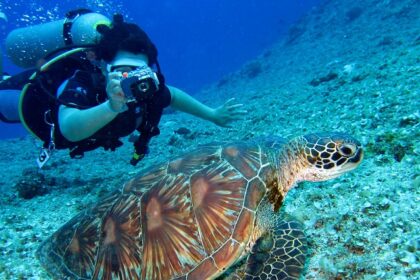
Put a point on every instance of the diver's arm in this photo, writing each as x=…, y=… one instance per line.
x=76, y=125
x=180, y=100
x=222, y=115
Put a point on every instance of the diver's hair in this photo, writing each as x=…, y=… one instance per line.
x=123, y=36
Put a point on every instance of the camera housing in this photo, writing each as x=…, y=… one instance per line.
x=140, y=84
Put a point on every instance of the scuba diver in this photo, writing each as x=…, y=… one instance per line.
x=95, y=89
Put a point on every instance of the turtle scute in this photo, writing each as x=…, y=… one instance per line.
x=199, y=216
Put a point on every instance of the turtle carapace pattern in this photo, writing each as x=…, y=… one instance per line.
x=209, y=214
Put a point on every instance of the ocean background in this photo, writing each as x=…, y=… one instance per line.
x=298, y=67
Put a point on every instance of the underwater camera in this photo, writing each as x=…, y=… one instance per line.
x=140, y=84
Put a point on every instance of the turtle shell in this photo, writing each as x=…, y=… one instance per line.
x=189, y=218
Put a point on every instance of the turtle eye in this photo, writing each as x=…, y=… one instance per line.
x=347, y=150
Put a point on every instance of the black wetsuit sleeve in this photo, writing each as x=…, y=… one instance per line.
x=155, y=107
x=17, y=81
x=79, y=91
x=164, y=98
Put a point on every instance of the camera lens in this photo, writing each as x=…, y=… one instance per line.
x=143, y=86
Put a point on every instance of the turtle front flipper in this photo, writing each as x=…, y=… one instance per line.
x=280, y=253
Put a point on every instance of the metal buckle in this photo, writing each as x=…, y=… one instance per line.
x=46, y=153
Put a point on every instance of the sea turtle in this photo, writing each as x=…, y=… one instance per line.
x=212, y=213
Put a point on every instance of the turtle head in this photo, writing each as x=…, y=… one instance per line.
x=328, y=155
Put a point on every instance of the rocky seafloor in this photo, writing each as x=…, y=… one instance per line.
x=350, y=66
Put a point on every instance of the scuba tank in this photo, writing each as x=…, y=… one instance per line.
x=26, y=46
x=3, y=18
x=1, y=65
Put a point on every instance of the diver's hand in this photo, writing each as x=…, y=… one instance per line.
x=117, y=100
x=228, y=113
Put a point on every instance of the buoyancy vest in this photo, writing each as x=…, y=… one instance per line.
x=38, y=108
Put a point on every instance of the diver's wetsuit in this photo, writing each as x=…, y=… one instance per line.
x=83, y=92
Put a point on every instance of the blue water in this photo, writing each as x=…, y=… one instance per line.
x=198, y=41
